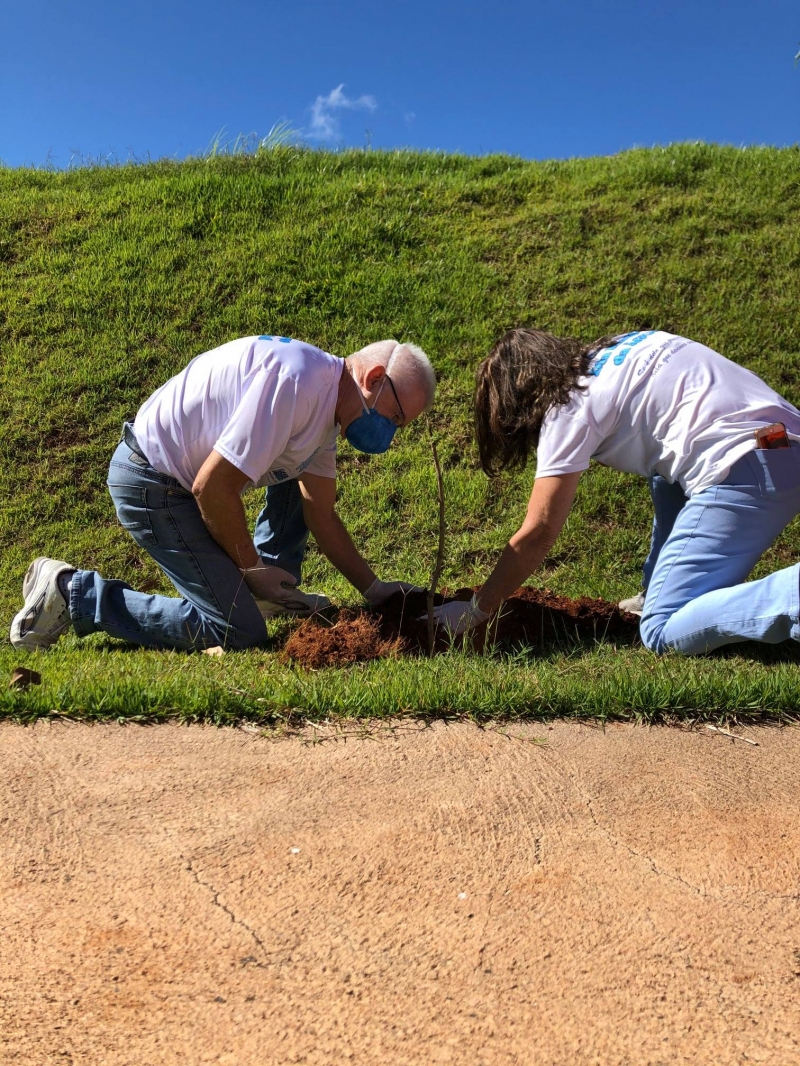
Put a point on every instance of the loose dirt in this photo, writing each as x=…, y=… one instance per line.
x=537, y=894
x=533, y=617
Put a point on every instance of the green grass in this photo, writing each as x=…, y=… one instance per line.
x=112, y=278
x=96, y=681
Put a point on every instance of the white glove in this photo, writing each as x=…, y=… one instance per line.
x=271, y=583
x=458, y=616
x=380, y=591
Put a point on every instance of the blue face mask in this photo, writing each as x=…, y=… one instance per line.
x=371, y=432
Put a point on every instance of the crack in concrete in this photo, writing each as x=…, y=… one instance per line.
x=660, y=872
x=574, y=780
x=638, y=854
x=235, y=920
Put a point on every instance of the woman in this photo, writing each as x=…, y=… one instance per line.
x=654, y=404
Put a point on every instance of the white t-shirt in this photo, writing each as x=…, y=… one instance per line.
x=655, y=403
x=266, y=404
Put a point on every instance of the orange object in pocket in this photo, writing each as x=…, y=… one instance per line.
x=773, y=436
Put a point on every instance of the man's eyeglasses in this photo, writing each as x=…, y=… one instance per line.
x=397, y=401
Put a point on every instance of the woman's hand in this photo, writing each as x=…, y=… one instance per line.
x=459, y=616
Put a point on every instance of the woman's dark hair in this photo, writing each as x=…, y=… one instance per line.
x=526, y=374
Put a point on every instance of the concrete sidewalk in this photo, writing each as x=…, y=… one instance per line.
x=446, y=894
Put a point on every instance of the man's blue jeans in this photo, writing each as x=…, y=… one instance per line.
x=697, y=595
x=215, y=607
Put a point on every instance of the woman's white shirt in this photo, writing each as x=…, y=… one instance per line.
x=266, y=404
x=656, y=403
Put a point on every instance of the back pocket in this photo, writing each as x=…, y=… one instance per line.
x=777, y=469
x=133, y=513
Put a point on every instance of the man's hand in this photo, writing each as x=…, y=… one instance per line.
x=380, y=591
x=459, y=616
x=269, y=582
x=276, y=593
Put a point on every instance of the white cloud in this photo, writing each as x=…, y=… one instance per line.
x=324, y=120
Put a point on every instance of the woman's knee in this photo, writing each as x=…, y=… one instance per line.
x=651, y=630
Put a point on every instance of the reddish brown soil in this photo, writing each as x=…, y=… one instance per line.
x=356, y=637
x=532, y=617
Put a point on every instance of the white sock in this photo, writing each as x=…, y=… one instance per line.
x=65, y=583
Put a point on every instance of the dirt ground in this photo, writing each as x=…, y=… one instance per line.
x=428, y=895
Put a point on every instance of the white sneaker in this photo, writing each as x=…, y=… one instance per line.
x=45, y=614
x=635, y=605
x=297, y=604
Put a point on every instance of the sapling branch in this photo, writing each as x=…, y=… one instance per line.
x=438, y=566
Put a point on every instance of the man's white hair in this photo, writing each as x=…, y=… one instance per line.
x=405, y=363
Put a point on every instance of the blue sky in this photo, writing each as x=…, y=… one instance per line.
x=535, y=79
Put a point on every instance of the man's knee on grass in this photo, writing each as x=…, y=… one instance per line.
x=234, y=638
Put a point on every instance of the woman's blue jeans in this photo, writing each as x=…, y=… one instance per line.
x=215, y=607
x=668, y=500
x=703, y=550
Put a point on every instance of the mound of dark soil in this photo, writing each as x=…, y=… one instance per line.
x=531, y=617
x=536, y=616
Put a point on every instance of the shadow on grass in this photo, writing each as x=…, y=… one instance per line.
x=568, y=645
x=749, y=651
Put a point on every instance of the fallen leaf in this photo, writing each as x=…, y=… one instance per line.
x=148, y=585
x=216, y=651
x=23, y=678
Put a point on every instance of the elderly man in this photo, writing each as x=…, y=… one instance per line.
x=259, y=411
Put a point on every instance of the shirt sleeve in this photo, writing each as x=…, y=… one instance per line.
x=324, y=462
x=566, y=445
x=258, y=431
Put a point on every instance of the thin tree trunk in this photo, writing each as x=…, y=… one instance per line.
x=436, y=573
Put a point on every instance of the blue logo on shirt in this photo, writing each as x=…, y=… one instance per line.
x=268, y=337
x=622, y=347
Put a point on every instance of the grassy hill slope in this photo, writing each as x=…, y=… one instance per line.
x=111, y=279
